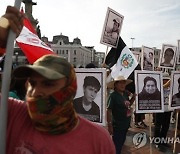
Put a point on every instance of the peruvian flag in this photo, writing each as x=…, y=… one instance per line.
x=30, y=43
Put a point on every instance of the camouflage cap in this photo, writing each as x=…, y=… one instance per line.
x=52, y=67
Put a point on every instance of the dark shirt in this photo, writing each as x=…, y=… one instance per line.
x=116, y=102
x=148, y=101
x=93, y=114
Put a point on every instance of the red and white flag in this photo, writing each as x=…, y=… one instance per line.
x=30, y=43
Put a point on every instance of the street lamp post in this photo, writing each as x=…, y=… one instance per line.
x=132, y=38
x=16, y=60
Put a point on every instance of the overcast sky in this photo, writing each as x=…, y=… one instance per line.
x=150, y=22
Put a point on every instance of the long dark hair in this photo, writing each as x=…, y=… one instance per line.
x=148, y=78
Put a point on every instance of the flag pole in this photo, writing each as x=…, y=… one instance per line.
x=5, y=85
x=150, y=131
x=175, y=133
x=103, y=65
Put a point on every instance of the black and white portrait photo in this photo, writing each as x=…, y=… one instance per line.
x=89, y=101
x=147, y=59
x=166, y=92
x=149, y=90
x=168, y=56
x=178, y=52
x=175, y=90
x=137, y=55
x=112, y=28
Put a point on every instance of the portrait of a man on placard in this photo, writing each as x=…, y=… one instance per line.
x=147, y=62
x=90, y=95
x=175, y=90
x=85, y=104
x=168, y=56
x=112, y=27
x=150, y=92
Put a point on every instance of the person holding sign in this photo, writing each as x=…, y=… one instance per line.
x=162, y=120
x=12, y=19
x=119, y=111
x=47, y=122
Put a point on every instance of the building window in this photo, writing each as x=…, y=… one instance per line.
x=74, y=59
x=156, y=60
x=60, y=43
x=74, y=52
x=57, y=51
x=67, y=52
x=63, y=52
x=155, y=52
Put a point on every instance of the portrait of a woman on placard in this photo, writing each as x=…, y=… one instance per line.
x=147, y=58
x=149, y=92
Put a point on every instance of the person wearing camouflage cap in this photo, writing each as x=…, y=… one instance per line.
x=48, y=116
x=46, y=122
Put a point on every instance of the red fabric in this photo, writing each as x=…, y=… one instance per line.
x=2, y=51
x=22, y=137
x=28, y=25
x=33, y=53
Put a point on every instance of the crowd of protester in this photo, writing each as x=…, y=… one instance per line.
x=44, y=111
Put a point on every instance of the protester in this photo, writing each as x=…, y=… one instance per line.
x=90, y=65
x=162, y=120
x=119, y=111
x=139, y=120
x=85, y=105
x=12, y=19
x=178, y=127
x=168, y=56
x=47, y=122
x=17, y=88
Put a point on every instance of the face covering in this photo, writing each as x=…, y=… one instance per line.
x=55, y=114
